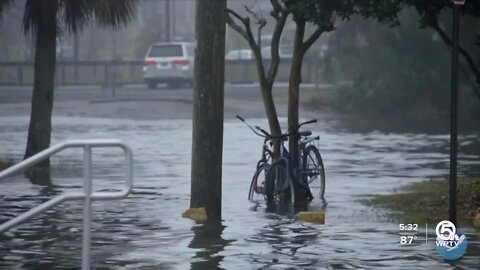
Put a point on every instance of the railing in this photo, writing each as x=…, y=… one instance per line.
x=103, y=72
x=87, y=193
x=117, y=72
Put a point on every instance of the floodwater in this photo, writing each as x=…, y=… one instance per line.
x=146, y=231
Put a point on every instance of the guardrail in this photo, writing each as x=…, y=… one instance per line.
x=87, y=193
x=118, y=72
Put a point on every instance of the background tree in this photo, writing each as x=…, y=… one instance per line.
x=408, y=65
x=430, y=13
x=400, y=72
x=47, y=19
x=322, y=14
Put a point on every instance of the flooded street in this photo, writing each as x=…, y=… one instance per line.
x=146, y=231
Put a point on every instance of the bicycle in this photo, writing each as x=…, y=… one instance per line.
x=256, y=191
x=310, y=172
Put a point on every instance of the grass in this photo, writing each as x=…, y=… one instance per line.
x=428, y=201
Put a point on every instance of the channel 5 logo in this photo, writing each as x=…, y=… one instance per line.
x=451, y=243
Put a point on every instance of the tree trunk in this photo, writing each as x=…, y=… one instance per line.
x=42, y=98
x=272, y=117
x=267, y=97
x=269, y=104
x=206, y=189
x=294, y=88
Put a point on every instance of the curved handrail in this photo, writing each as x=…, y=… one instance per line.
x=87, y=194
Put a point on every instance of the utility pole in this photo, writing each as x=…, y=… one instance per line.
x=75, y=55
x=454, y=112
x=208, y=103
x=167, y=21
x=173, y=19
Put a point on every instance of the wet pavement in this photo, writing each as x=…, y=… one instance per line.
x=146, y=230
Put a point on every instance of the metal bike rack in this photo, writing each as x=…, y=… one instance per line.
x=87, y=193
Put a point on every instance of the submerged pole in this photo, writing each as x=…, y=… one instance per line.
x=454, y=113
x=208, y=94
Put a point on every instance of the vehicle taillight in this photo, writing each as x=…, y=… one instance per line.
x=150, y=63
x=182, y=62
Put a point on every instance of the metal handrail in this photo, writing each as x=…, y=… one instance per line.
x=87, y=193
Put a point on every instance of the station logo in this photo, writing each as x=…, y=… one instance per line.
x=451, y=243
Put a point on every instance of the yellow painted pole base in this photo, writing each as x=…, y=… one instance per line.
x=196, y=214
x=313, y=217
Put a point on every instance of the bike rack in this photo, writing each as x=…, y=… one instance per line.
x=87, y=193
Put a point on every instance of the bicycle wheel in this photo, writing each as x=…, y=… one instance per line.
x=279, y=187
x=313, y=171
x=257, y=186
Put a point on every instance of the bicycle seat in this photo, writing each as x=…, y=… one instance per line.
x=305, y=133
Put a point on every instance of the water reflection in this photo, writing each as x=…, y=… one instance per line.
x=208, y=239
x=287, y=239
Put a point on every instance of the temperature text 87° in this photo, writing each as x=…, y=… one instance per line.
x=407, y=240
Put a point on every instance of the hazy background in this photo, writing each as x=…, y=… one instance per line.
x=375, y=70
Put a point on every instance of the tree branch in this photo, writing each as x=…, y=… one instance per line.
x=471, y=63
x=274, y=47
x=261, y=23
x=246, y=32
x=277, y=9
x=236, y=26
x=318, y=32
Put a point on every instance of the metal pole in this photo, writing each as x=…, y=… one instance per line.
x=87, y=208
x=454, y=117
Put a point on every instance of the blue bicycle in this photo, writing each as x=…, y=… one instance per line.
x=283, y=178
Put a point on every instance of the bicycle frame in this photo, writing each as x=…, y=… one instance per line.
x=295, y=174
x=267, y=156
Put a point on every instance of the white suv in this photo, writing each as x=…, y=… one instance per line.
x=170, y=63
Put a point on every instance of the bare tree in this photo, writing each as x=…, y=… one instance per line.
x=266, y=77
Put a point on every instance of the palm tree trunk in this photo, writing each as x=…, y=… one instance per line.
x=40, y=127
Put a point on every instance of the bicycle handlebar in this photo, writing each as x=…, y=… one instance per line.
x=283, y=136
x=307, y=122
x=240, y=118
x=263, y=131
x=251, y=128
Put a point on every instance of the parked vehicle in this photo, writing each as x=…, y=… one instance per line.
x=283, y=53
x=245, y=54
x=169, y=63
